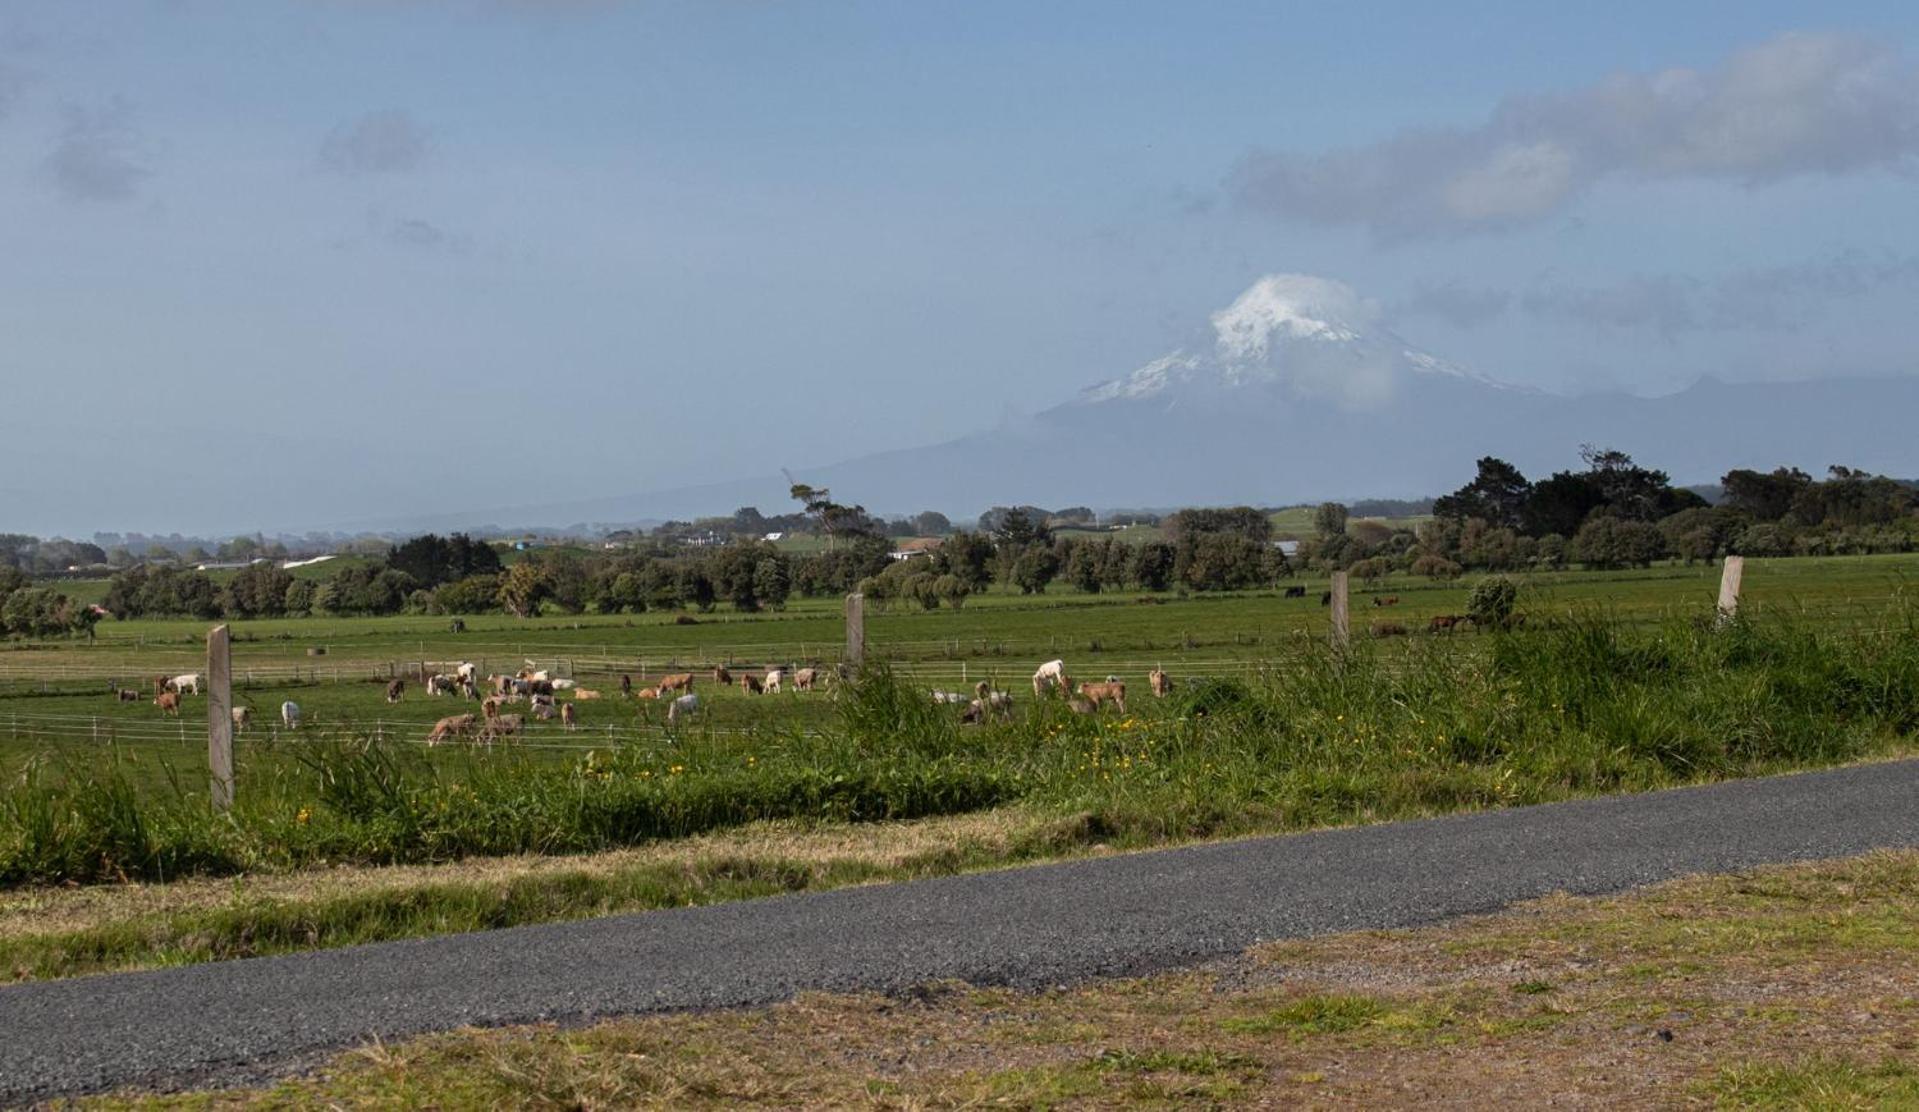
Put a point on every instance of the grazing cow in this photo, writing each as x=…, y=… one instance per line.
x=185, y=684
x=466, y=670
x=1051, y=674
x=501, y=685
x=678, y=681
x=394, y=690
x=1160, y=682
x=490, y=707
x=1080, y=706
x=805, y=678
x=451, y=727
x=722, y=677
x=1445, y=622
x=469, y=689
x=999, y=704
x=1099, y=694
x=1325, y=598
x=504, y=726
x=647, y=693
x=290, y=715
x=441, y=684
x=128, y=694
x=626, y=685
x=545, y=712
x=242, y=717
x=775, y=681
x=569, y=717
x=1295, y=592
x=1388, y=629
x=751, y=685
x=540, y=687
x=168, y=702
x=684, y=705
x=982, y=689
x=1386, y=600
x=584, y=693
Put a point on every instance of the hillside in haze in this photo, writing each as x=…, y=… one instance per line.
x=1302, y=395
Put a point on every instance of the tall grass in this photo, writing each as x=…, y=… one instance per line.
x=1588, y=704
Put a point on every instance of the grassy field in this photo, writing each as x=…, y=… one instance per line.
x=1618, y=684
x=1783, y=987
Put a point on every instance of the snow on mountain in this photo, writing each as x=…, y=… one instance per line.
x=1308, y=338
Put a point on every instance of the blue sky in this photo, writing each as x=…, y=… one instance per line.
x=273, y=265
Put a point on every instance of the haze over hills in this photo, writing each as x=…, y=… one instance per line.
x=1301, y=393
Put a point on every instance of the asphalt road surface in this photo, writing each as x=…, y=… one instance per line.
x=1029, y=927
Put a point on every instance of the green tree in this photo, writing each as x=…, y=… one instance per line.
x=1153, y=566
x=476, y=594
x=522, y=589
x=969, y=556
x=1329, y=520
x=953, y=590
x=1083, y=567
x=297, y=599
x=258, y=591
x=772, y=580
x=1034, y=569
x=1498, y=495
x=1611, y=542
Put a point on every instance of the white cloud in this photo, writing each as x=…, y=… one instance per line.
x=1796, y=105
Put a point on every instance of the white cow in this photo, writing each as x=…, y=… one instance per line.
x=465, y=671
x=946, y=697
x=561, y=685
x=775, y=680
x=242, y=717
x=290, y=714
x=1050, y=674
x=187, y=683
x=685, y=704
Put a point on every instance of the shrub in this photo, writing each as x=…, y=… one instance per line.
x=1437, y=568
x=1492, y=600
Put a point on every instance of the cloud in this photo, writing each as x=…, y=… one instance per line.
x=97, y=157
x=1762, y=299
x=1799, y=104
x=1463, y=306
x=383, y=142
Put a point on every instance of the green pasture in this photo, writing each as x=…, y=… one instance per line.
x=56, y=705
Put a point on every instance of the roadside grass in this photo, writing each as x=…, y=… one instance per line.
x=62, y=932
x=1584, y=708
x=1698, y=991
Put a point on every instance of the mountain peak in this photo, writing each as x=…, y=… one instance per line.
x=1304, y=337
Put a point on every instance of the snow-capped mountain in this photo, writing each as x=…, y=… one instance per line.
x=1307, y=338
x=1301, y=392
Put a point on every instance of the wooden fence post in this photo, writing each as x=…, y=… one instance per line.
x=855, y=629
x=220, y=717
x=1729, y=577
x=1342, y=630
